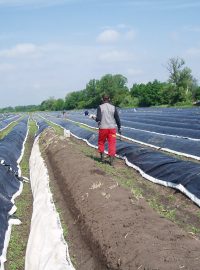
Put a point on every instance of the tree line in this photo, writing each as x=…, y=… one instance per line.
x=181, y=89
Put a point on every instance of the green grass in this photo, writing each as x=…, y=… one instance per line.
x=159, y=208
x=7, y=130
x=194, y=230
x=16, y=253
x=198, y=214
x=137, y=192
x=86, y=127
x=64, y=226
x=24, y=164
x=171, y=198
x=73, y=259
x=59, y=130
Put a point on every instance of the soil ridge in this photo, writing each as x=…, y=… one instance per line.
x=120, y=230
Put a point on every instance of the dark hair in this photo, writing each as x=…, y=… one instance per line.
x=106, y=98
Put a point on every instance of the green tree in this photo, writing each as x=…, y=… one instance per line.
x=115, y=87
x=74, y=100
x=129, y=102
x=48, y=105
x=59, y=104
x=196, y=93
x=148, y=94
x=181, y=82
x=92, y=94
x=7, y=109
x=27, y=108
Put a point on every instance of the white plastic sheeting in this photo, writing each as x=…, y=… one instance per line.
x=46, y=249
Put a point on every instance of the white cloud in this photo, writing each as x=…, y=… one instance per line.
x=19, y=50
x=29, y=80
x=115, y=56
x=108, y=36
x=24, y=51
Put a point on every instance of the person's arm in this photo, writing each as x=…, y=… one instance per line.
x=98, y=117
x=117, y=119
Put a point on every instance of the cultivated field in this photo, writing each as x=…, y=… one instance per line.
x=141, y=216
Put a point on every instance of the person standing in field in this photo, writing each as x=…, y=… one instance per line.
x=86, y=113
x=64, y=114
x=107, y=118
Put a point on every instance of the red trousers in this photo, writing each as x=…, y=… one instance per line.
x=110, y=136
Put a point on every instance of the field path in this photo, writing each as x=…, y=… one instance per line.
x=108, y=228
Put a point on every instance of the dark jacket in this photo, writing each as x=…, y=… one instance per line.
x=107, y=116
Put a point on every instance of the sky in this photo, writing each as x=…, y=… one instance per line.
x=49, y=48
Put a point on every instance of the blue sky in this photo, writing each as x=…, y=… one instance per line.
x=49, y=48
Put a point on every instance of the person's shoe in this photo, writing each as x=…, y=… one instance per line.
x=102, y=157
x=111, y=160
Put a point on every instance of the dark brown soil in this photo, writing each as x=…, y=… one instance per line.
x=108, y=227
